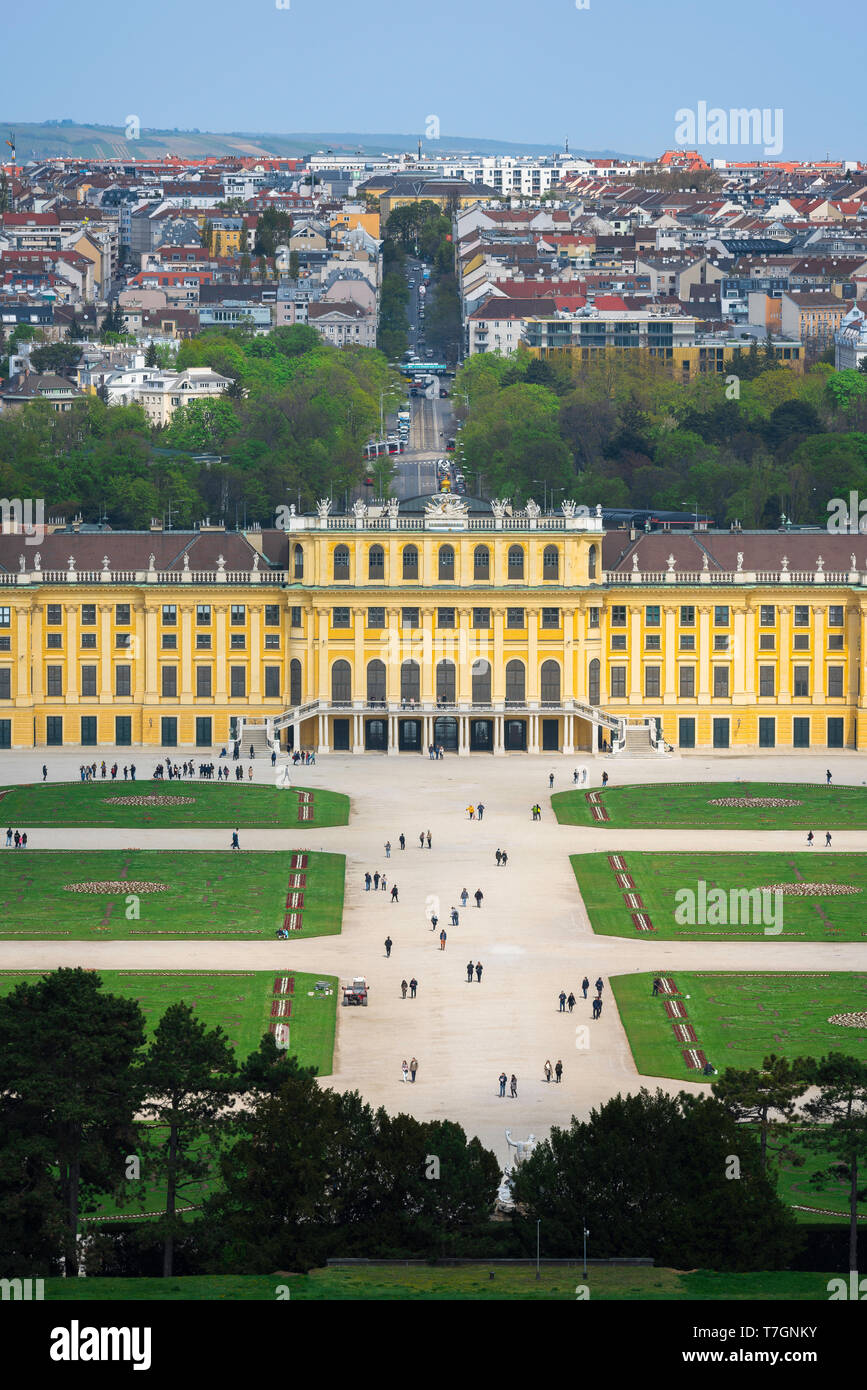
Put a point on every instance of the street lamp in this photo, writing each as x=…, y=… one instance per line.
x=544, y=492
x=538, y=1225
x=693, y=506
x=554, y=492
x=586, y=1234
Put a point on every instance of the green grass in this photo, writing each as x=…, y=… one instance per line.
x=439, y=1284
x=223, y=894
x=232, y=804
x=659, y=876
x=829, y=1202
x=740, y=1019
x=679, y=805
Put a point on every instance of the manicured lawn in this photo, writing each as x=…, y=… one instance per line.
x=429, y=1283
x=239, y=1001
x=205, y=805
x=740, y=1019
x=222, y=894
x=677, y=805
x=793, y=1185
x=656, y=878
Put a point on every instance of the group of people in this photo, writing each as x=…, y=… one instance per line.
x=556, y=1070
x=377, y=881
x=435, y=750
x=570, y=999
x=87, y=771
x=536, y=811
x=502, y=858
x=18, y=840
x=810, y=838
x=513, y=1085
x=176, y=771
x=476, y=812
x=474, y=969
x=409, y=1069
x=306, y=757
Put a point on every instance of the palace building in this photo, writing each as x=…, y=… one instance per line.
x=439, y=620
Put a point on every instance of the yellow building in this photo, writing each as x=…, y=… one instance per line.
x=443, y=622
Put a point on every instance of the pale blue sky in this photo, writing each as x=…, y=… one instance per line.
x=611, y=76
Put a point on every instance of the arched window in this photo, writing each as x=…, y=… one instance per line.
x=446, y=562
x=481, y=682
x=550, y=562
x=591, y=562
x=341, y=562
x=376, y=562
x=295, y=681
x=516, y=562
x=341, y=682
x=445, y=682
x=410, y=562
x=550, y=681
x=516, y=681
x=375, y=681
x=481, y=562
x=410, y=682
x=593, y=682
x=298, y=555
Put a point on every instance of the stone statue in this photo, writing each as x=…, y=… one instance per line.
x=72, y=564
x=635, y=564
x=784, y=564
x=21, y=563
x=820, y=565
x=498, y=506
x=105, y=564
x=323, y=506
x=671, y=563
x=186, y=563
x=599, y=510
x=523, y=1147
x=256, y=563
x=152, y=560
x=444, y=505
x=852, y=563
x=532, y=508
x=392, y=506
x=740, y=561
x=568, y=506
x=37, y=560
x=359, y=509
x=221, y=564
x=705, y=564
x=291, y=508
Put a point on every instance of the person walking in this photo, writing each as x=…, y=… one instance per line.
x=469, y=972
x=480, y=810
x=413, y=1068
x=402, y=841
x=403, y=989
x=827, y=839
x=421, y=840
x=585, y=985
x=434, y=921
x=558, y=1070
x=464, y=896
x=571, y=1001
x=388, y=945
x=499, y=858
x=809, y=839
x=513, y=1086
x=599, y=986
x=505, y=859
x=413, y=986
x=503, y=1079
x=471, y=812
x=550, y=779
x=273, y=758
x=394, y=892
x=605, y=779
x=428, y=839
x=382, y=884
x=376, y=881
x=828, y=778
x=24, y=840
x=478, y=972
x=598, y=1003
x=388, y=849
x=443, y=939
x=548, y=1071
x=562, y=998
x=455, y=917
x=235, y=841
x=657, y=985
x=44, y=772
x=404, y=1069
x=367, y=882
x=478, y=895
x=9, y=837
x=17, y=840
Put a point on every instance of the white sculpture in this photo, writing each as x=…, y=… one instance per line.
x=21, y=563
x=568, y=506
x=704, y=563
x=37, y=560
x=523, y=1147
x=105, y=564
x=186, y=564
x=323, y=506
x=291, y=508
x=852, y=563
x=820, y=565
x=498, y=506
x=359, y=509
x=392, y=506
x=671, y=563
x=256, y=563
x=784, y=564
x=740, y=561
x=444, y=505
x=221, y=563
x=72, y=564
x=152, y=560
x=532, y=507
x=635, y=564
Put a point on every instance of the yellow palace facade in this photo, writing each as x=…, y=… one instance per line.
x=463, y=624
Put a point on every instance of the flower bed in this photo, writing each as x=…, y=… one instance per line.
x=152, y=800
x=857, y=1020
x=811, y=890
x=757, y=803
x=128, y=885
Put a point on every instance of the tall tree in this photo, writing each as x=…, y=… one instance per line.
x=839, y=1116
x=756, y=1096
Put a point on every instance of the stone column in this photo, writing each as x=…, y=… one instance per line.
x=741, y=653
x=323, y=685
x=427, y=660
x=567, y=733
x=255, y=653
x=704, y=652
x=532, y=615
x=635, y=688
x=463, y=735
x=27, y=643
x=392, y=657
x=819, y=691
x=669, y=688
x=150, y=655
x=784, y=656
x=358, y=733
x=463, y=665
x=106, y=695
x=186, y=653
x=71, y=610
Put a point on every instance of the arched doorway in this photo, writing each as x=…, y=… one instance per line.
x=376, y=682
x=446, y=733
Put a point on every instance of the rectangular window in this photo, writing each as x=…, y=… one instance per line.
x=835, y=682
x=203, y=731
x=203, y=615
x=169, y=731
x=122, y=680
x=295, y=618
x=88, y=731
x=593, y=617
x=237, y=682
x=121, y=615
x=720, y=733
x=801, y=733
x=170, y=682
x=238, y=615
x=651, y=682
x=767, y=680
x=88, y=680
x=618, y=641
x=687, y=682
x=687, y=615
x=272, y=682
x=54, y=730
x=652, y=642
x=5, y=617
x=54, y=680
x=720, y=644
x=482, y=618
x=123, y=641
x=203, y=641
x=170, y=614
x=835, y=733
x=835, y=641
x=203, y=681
x=409, y=617
x=767, y=642
x=618, y=682
x=550, y=617
x=5, y=683
x=687, y=642
x=651, y=615
x=88, y=639
x=686, y=733
x=123, y=730
x=514, y=617
x=767, y=615
x=237, y=641
x=801, y=680
x=802, y=615
x=87, y=616
x=720, y=681
x=618, y=615
x=445, y=617
x=767, y=733
x=54, y=615
x=170, y=641
x=376, y=617
x=801, y=642
x=54, y=640
x=340, y=617
x=272, y=641
x=721, y=615
x=272, y=614
x=5, y=733
x=835, y=615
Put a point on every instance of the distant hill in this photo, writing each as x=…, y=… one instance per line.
x=40, y=140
